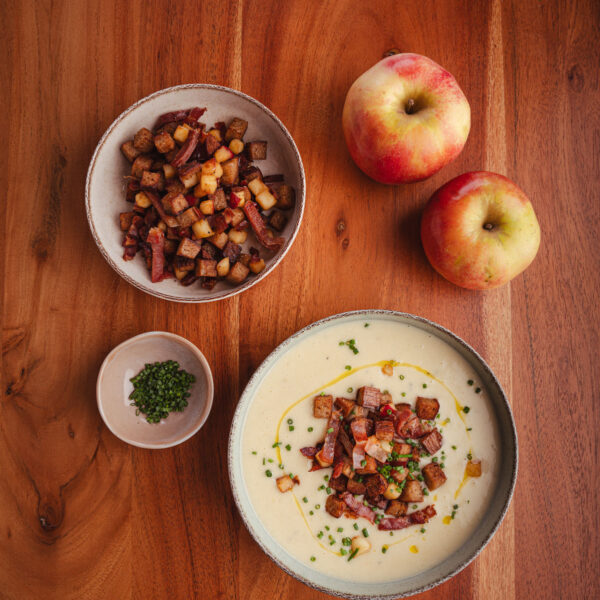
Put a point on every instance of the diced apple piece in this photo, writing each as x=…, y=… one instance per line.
x=236, y=146
x=190, y=180
x=219, y=240
x=223, y=267
x=266, y=200
x=257, y=266
x=208, y=185
x=202, y=229
x=181, y=133
x=209, y=167
x=169, y=171
x=223, y=153
x=216, y=133
x=179, y=274
x=285, y=483
x=238, y=237
x=237, y=198
x=257, y=186
x=207, y=207
x=142, y=200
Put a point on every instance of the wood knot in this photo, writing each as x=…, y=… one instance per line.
x=391, y=52
x=340, y=227
x=345, y=243
x=50, y=514
x=575, y=77
x=71, y=432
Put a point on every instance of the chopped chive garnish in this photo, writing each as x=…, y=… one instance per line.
x=330, y=430
x=352, y=554
x=355, y=525
x=340, y=529
x=288, y=447
x=328, y=490
x=365, y=532
x=366, y=324
x=327, y=528
x=424, y=385
x=466, y=409
x=478, y=390
x=311, y=513
x=317, y=506
x=268, y=473
x=350, y=390
x=291, y=428
x=384, y=549
x=470, y=382
x=348, y=368
x=453, y=447
x=320, y=534
x=422, y=529
x=253, y=451
x=469, y=429
x=305, y=500
x=312, y=558
x=343, y=551
x=276, y=444
x=290, y=421
x=310, y=429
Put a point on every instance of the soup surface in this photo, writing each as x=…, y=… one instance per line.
x=280, y=421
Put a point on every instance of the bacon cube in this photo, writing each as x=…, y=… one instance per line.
x=384, y=430
x=369, y=397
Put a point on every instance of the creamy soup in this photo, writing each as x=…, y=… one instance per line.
x=282, y=412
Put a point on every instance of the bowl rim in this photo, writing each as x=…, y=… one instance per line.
x=262, y=370
x=209, y=388
x=300, y=195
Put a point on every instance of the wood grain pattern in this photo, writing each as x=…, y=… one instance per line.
x=83, y=516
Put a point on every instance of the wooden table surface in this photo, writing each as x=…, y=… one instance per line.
x=85, y=516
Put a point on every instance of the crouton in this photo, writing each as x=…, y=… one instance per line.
x=231, y=171
x=322, y=407
x=285, y=483
x=277, y=220
x=174, y=204
x=125, y=219
x=396, y=508
x=143, y=140
x=427, y=408
x=238, y=273
x=286, y=197
x=369, y=397
x=375, y=485
x=384, y=430
x=219, y=200
x=356, y=487
x=130, y=152
x=412, y=491
x=256, y=150
x=140, y=164
x=369, y=467
x=164, y=142
x=188, y=248
x=211, y=144
x=399, y=474
x=473, y=468
x=153, y=181
x=335, y=506
x=432, y=442
x=237, y=129
x=188, y=217
x=434, y=476
x=338, y=483
x=206, y=268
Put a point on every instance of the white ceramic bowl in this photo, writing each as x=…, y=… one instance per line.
x=105, y=184
x=114, y=386
x=425, y=580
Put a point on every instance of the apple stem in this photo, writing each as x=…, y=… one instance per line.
x=391, y=52
x=410, y=104
x=488, y=226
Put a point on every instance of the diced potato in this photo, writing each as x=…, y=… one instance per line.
x=238, y=237
x=360, y=544
x=266, y=199
x=257, y=186
x=181, y=133
x=169, y=171
x=216, y=133
x=162, y=226
x=474, y=468
x=392, y=492
x=142, y=200
x=219, y=240
x=231, y=171
x=285, y=483
x=202, y=229
x=257, y=266
x=223, y=153
x=223, y=267
x=236, y=146
x=219, y=171
x=237, y=217
x=207, y=207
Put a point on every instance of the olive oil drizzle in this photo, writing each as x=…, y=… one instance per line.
x=342, y=376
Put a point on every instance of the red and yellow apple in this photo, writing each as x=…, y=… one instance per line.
x=479, y=230
x=404, y=119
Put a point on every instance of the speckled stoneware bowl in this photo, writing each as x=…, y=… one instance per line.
x=454, y=563
x=105, y=184
x=114, y=386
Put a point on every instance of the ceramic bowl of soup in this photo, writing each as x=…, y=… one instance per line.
x=284, y=494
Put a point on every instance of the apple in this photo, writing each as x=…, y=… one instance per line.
x=479, y=230
x=404, y=119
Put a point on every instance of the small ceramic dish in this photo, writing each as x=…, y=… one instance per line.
x=114, y=386
x=264, y=528
x=105, y=183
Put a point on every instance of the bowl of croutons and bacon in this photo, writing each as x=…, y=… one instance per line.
x=195, y=193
